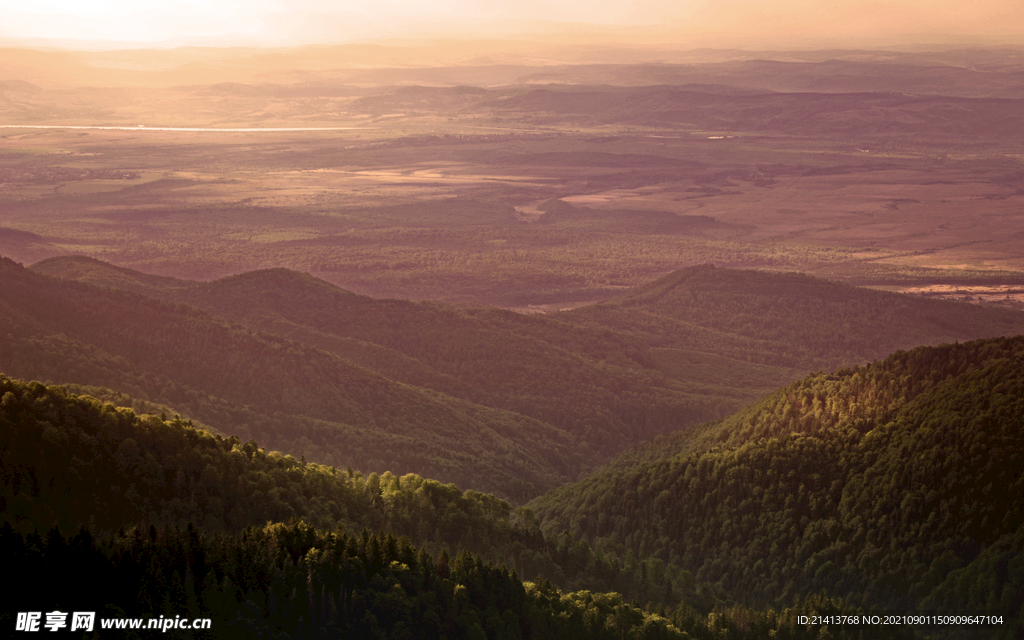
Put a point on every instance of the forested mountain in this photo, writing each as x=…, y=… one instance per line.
x=291, y=581
x=74, y=462
x=897, y=485
x=180, y=522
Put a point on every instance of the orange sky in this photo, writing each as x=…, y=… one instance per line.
x=703, y=22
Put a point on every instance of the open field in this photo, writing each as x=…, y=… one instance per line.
x=460, y=216
x=525, y=185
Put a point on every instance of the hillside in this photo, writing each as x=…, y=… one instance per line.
x=213, y=544
x=693, y=346
x=191, y=522
x=290, y=396
x=605, y=387
x=788, y=319
x=75, y=461
x=897, y=485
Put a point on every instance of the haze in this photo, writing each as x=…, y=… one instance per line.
x=650, y=22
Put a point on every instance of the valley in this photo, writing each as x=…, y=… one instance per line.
x=563, y=347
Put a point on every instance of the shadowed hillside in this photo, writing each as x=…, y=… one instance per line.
x=690, y=347
x=789, y=319
x=290, y=395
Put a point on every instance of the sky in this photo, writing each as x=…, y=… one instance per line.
x=293, y=22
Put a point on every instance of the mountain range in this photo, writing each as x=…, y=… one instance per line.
x=490, y=399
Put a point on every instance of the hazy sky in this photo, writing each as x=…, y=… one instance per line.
x=308, y=21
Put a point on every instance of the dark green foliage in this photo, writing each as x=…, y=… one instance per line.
x=71, y=458
x=73, y=461
x=899, y=485
x=293, y=581
x=804, y=619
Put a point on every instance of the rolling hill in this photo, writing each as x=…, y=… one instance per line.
x=189, y=521
x=690, y=347
x=175, y=520
x=289, y=395
x=788, y=319
x=896, y=485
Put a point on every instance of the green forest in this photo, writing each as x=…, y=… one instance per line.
x=898, y=485
x=170, y=516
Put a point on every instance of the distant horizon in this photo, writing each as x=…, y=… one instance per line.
x=950, y=43
x=777, y=25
